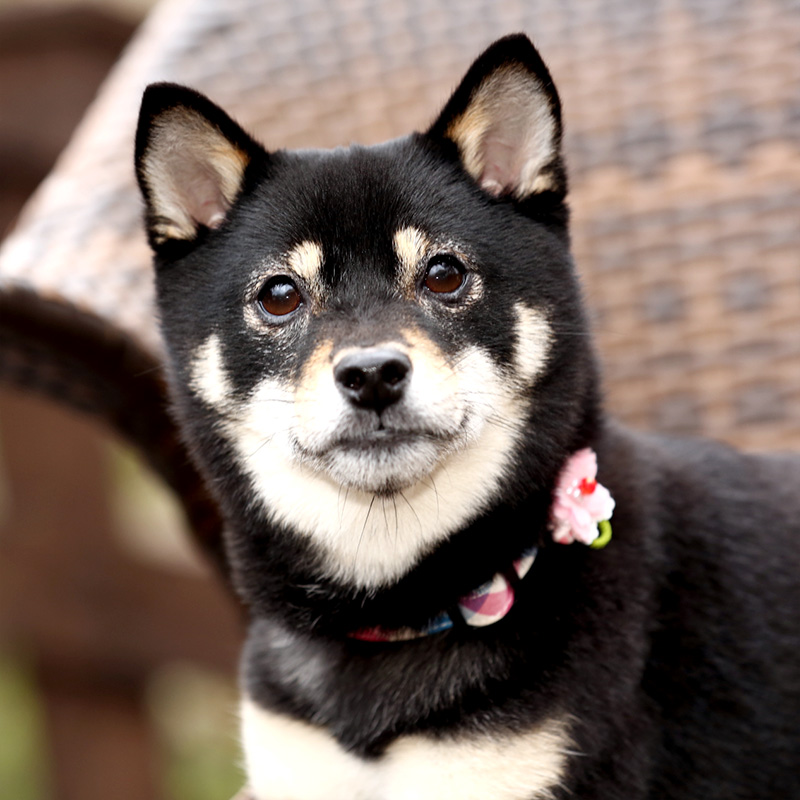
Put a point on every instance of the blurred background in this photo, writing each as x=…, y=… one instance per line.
x=118, y=638
x=79, y=716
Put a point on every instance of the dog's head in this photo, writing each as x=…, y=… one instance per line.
x=371, y=347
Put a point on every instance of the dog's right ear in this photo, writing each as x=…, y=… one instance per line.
x=191, y=162
x=505, y=122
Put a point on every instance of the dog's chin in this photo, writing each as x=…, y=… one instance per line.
x=382, y=464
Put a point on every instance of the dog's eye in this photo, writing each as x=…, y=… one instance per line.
x=445, y=274
x=280, y=296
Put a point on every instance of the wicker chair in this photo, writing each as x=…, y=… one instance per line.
x=683, y=141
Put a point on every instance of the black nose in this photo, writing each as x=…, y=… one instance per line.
x=374, y=377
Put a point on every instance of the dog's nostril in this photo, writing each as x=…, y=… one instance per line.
x=394, y=372
x=353, y=379
x=374, y=377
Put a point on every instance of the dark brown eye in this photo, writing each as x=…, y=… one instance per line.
x=445, y=274
x=280, y=296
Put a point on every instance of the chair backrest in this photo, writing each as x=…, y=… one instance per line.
x=683, y=138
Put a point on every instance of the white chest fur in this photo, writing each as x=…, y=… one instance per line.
x=288, y=759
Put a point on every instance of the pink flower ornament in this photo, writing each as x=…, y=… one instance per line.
x=581, y=506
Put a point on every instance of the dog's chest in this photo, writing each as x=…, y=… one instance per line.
x=288, y=759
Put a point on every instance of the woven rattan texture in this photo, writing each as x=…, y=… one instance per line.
x=683, y=137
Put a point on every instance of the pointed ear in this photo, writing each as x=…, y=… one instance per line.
x=505, y=120
x=191, y=159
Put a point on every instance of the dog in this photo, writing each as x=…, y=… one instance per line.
x=464, y=579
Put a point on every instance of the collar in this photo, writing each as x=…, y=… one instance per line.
x=580, y=512
x=486, y=605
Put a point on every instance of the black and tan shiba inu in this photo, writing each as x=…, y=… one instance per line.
x=380, y=360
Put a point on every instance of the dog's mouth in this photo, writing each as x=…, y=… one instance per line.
x=384, y=460
x=382, y=438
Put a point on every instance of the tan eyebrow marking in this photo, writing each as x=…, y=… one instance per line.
x=305, y=259
x=410, y=245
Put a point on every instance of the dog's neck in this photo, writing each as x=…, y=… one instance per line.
x=580, y=511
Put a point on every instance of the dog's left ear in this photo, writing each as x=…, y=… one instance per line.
x=505, y=120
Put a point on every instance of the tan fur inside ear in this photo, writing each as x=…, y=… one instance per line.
x=508, y=137
x=193, y=173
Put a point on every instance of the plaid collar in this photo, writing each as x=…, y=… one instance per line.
x=486, y=605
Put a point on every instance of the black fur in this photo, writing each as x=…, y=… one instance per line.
x=673, y=650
